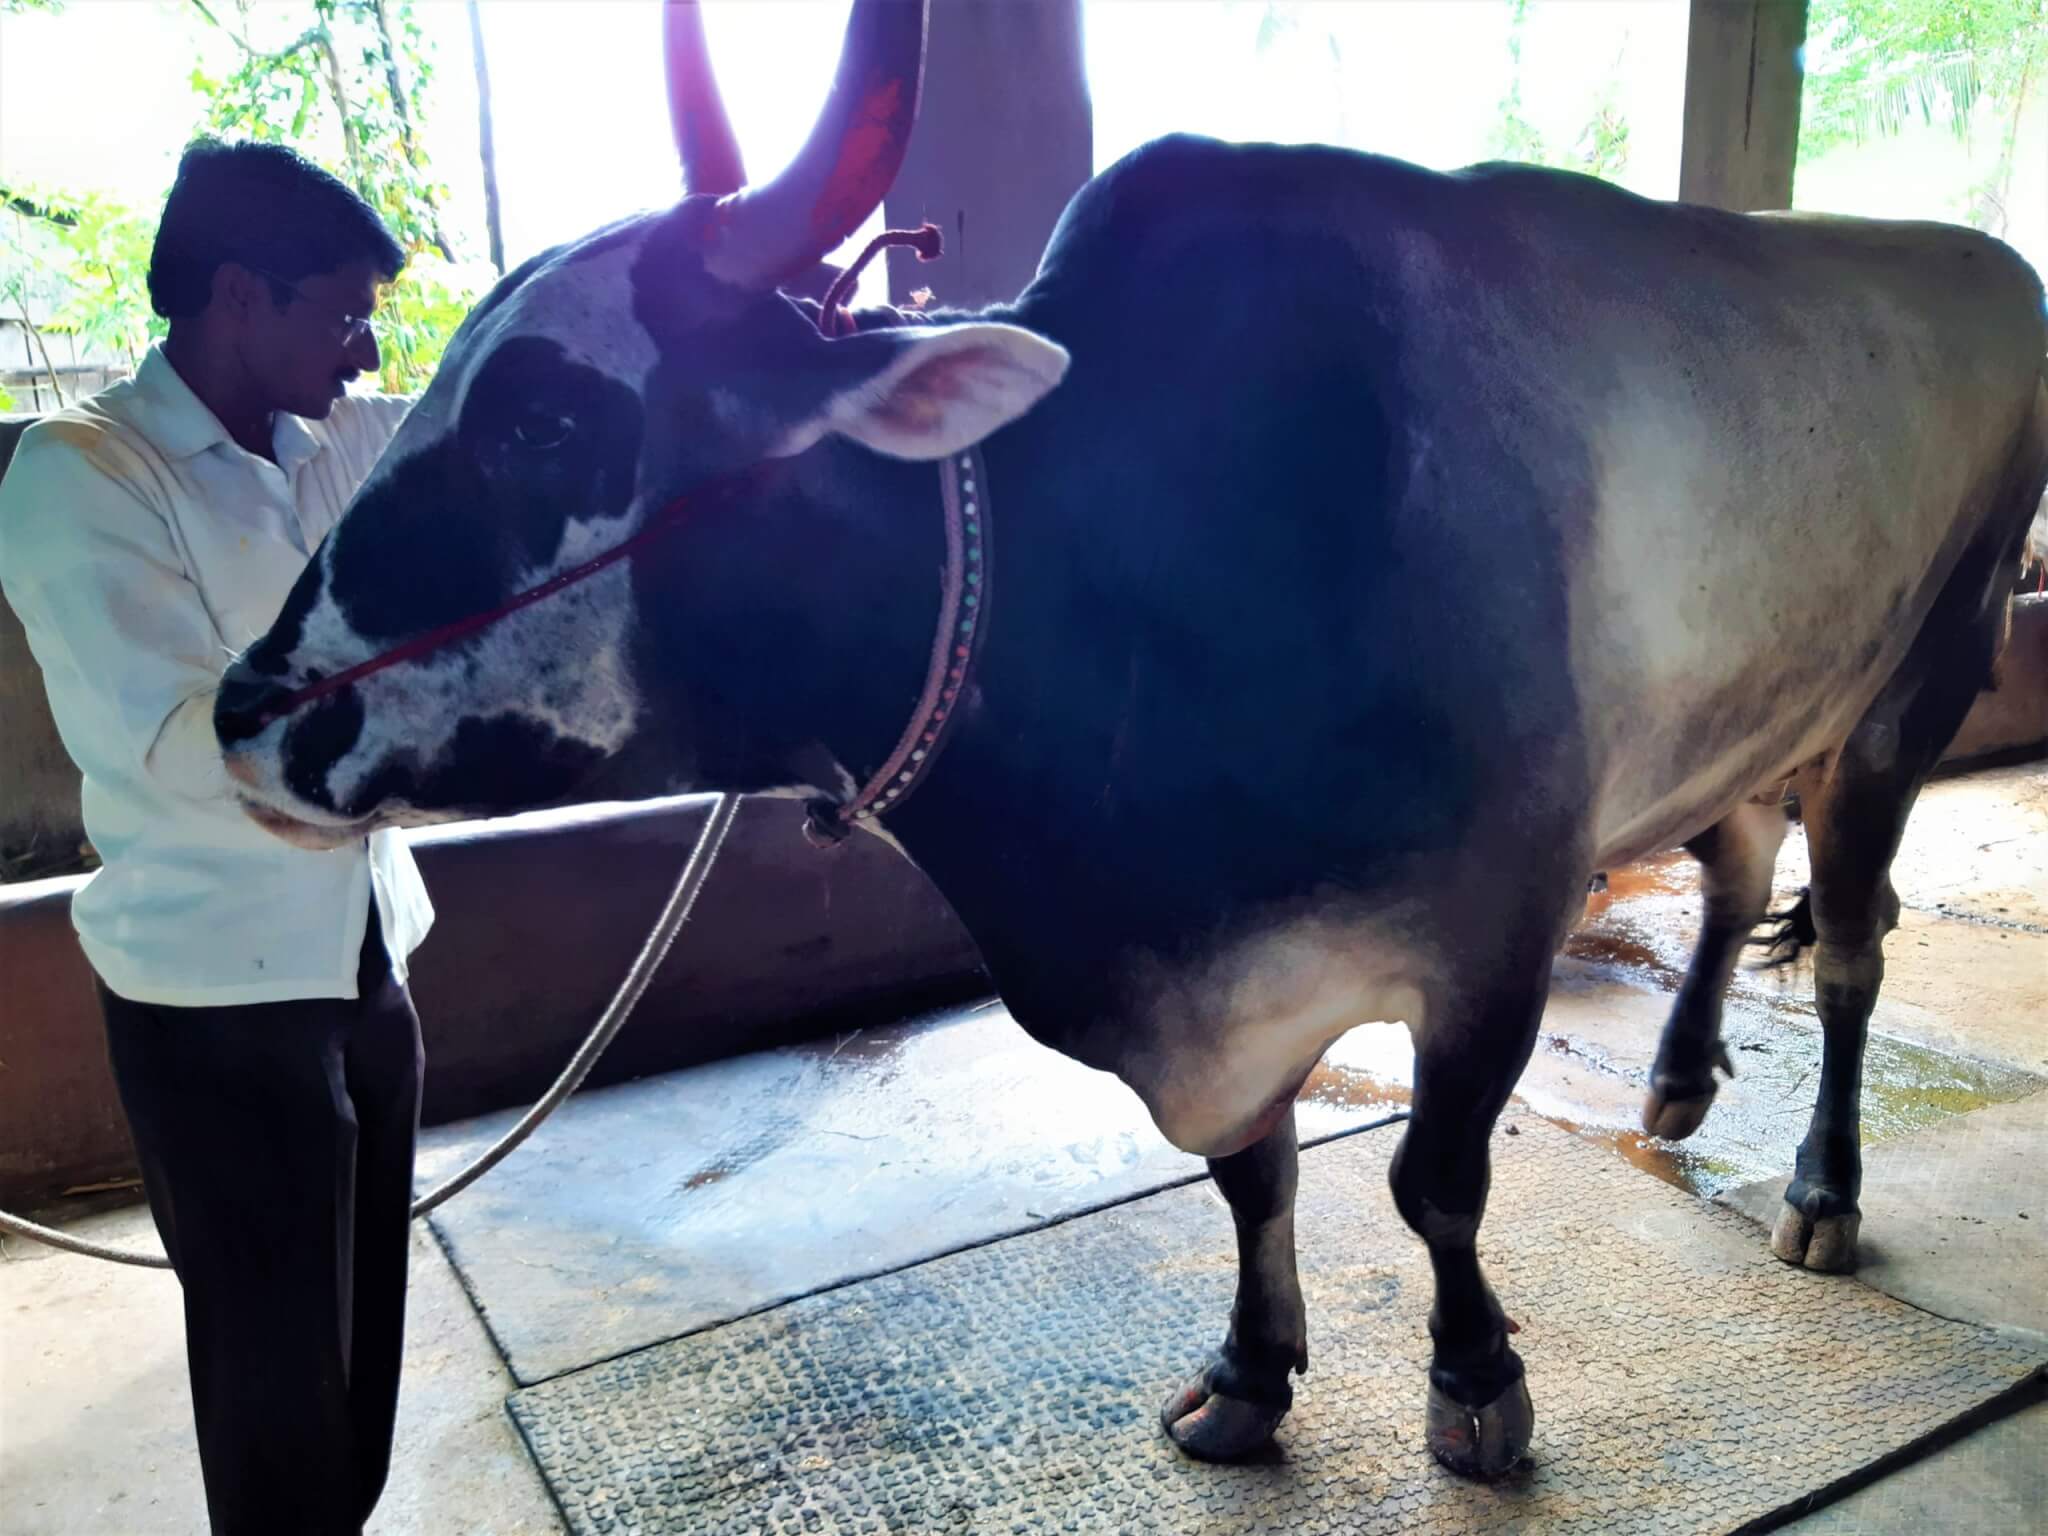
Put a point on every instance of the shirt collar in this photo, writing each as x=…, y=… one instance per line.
x=180, y=424
x=176, y=420
x=292, y=441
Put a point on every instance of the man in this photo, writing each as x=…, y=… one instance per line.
x=264, y=1044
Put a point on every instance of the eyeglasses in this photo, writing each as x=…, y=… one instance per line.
x=352, y=328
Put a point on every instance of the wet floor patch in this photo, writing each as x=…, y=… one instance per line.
x=1664, y=874
x=1908, y=1087
x=1590, y=1073
x=1760, y=1116
x=1683, y=1167
x=1372, y=1068
x=1610, y=995
x=1622, y=967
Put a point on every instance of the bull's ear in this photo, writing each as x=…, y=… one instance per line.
x=925, y=392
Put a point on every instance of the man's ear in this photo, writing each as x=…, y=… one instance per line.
x=926, y=391
x=238, y=290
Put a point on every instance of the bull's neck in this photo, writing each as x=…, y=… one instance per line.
x=876, y=594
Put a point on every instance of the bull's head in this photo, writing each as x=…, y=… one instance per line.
x=594, y=386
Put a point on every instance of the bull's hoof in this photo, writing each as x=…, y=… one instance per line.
x=1823, y=1243
x=1680, y=1097
x=1484, y=1442
x=1211, y=1425
x=1675, y=1118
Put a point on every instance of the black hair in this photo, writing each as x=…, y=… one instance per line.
x=266, y=207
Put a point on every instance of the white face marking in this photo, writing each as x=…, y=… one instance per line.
x=1231, y=1035
x=584, y=306
x=576, y=644
x=743, y=418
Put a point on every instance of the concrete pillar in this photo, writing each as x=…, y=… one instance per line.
x=1003, y=141
x=1743, y=74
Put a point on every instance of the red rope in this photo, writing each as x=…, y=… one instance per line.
x=715, y=492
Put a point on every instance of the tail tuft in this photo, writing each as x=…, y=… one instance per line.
x=1789, y=935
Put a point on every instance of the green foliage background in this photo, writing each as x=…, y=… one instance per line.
x=348, y=83
x=1875, y=66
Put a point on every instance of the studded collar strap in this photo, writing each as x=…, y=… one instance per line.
x=963, y=620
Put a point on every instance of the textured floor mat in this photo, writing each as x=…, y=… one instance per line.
x=1684, y=1380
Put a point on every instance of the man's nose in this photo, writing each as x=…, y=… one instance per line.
x=362, y=351
x=244, y=705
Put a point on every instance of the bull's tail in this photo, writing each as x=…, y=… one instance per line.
x=1788, y=934
x=2034, y=545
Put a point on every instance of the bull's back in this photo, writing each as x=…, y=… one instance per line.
x=1763, y=442
x=1696, y=476
x=1792, y=432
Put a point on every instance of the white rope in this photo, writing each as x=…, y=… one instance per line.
x=645, y=964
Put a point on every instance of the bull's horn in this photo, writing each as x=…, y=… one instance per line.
x=704, y=137
x=766, y=235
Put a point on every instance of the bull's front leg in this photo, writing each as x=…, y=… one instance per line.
x=1467, y=1061
x=1232, y=1406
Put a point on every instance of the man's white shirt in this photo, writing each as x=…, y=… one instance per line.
x=141, y=546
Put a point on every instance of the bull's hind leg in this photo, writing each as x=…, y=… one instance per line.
x=1856, y=803
x=1232, y=1407
x=1737, y=857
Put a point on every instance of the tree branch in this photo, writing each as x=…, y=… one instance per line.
x=487, y=149
x=305, y=39
x=402, y=106
x=14, y=203
x=399, y=103
x=42, y=346
x=351, y=145
x=2006, y=156
x=28, y=325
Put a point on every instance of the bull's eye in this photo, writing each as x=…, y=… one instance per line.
x=543, y=429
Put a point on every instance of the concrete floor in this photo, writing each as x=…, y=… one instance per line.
x=643, y=1211
x=95, y=1420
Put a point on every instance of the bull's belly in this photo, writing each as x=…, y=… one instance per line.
x=1218, y=1050
x=1731, y=621
x=1771, y=504
x=1674, y=761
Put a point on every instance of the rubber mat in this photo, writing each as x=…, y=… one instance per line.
x=1684, y=1380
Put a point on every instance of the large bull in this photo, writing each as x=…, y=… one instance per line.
x=1331, y=562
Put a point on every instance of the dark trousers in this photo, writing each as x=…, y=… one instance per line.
x=276, y=1142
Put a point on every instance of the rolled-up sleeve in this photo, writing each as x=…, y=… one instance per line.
x=129, y=654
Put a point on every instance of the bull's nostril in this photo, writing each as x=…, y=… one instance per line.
x=242, y=706
x=264, y=659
